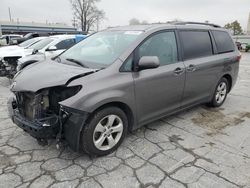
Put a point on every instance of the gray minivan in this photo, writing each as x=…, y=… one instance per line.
x=122, y=78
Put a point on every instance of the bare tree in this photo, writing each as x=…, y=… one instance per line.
x=87, y=13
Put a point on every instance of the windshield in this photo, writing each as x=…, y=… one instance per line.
x=41, y=44
x=27, y=35
x=28, y=42
x=100, y=49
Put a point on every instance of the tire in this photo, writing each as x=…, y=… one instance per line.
x=220, y=94
x=96, y=135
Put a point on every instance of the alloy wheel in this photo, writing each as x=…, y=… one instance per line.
x=221, y=92
x=108, y=132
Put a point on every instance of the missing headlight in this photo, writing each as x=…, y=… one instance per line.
x=58, y=94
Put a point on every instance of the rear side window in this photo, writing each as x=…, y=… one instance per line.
x=196, y=44
x=223, y=41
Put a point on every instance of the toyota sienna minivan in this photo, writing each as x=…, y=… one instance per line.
x=122, y=78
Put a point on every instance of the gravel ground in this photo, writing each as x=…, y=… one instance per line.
x=201, y=147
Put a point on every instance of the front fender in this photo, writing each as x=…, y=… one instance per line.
x=89, y=103
x=83, y=107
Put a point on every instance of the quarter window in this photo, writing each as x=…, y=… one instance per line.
x=196, y=44
x=223, y=41
x=163, y=45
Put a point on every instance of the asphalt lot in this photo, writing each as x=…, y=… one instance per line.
x=201, y=147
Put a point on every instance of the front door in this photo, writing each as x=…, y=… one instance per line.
x=159, y=91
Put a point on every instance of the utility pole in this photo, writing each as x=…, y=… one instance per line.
x=248, y=25
x=74, y=22
x=10, y=15
x=0, y=30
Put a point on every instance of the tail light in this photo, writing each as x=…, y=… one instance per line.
x=238, y=58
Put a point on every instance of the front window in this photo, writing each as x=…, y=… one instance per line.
x=28, y=42
x=41, y=44
x=101, y=49
x=163, y=45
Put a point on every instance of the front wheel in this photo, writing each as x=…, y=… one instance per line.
x=220, y=93
x=105, y=131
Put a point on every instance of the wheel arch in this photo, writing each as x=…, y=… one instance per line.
x=229, y=79
x=124, y=107
x=27, y=63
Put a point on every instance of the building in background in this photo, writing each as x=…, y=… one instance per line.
x=248, y=25
x=25, y=27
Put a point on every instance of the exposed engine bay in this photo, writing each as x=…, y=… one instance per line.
x=43, y=103
x=42, y=108
x=8, y=66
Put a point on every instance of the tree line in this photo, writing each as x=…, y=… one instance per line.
x=88, y=16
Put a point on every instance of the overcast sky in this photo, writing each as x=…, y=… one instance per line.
x=119, y=12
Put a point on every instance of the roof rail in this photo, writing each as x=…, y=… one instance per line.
x=195, y=23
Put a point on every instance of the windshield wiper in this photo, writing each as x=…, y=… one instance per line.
x=77, y=62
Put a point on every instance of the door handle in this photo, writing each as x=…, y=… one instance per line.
x=178, y=71
x=191, y=68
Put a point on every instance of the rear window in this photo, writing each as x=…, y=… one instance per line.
x=196, y=44
x=223, y=41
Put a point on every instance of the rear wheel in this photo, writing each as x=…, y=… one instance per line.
x=220, y=93
x=105, y=131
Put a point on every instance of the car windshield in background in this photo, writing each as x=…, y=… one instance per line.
x=27, y=42
x=41, y=44
x=27, y=35
x=100, y=49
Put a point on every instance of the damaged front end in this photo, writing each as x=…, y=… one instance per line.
x=38, y=91
x=8, y=66
x=40, y=114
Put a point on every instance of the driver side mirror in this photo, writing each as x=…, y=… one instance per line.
x=51, y=48
x=148, y=62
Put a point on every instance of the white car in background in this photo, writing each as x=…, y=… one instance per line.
x=20, y=46
x=49, y=46
x=58, y=45
x=6, y=39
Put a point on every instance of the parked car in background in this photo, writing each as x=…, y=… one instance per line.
x=10, y=54
x=58, y=44
x=247, y=47
x=244, y=41
x=138, y=75
x=6, y=39
x=238, y=44
x=22, y=45
x=27, y=37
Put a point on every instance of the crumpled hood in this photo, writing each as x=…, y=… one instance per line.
x=16, y=52
x=45, y=75
x=8, y=48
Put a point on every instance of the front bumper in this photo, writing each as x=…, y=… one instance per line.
x=72, y=125
x=39, y=129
